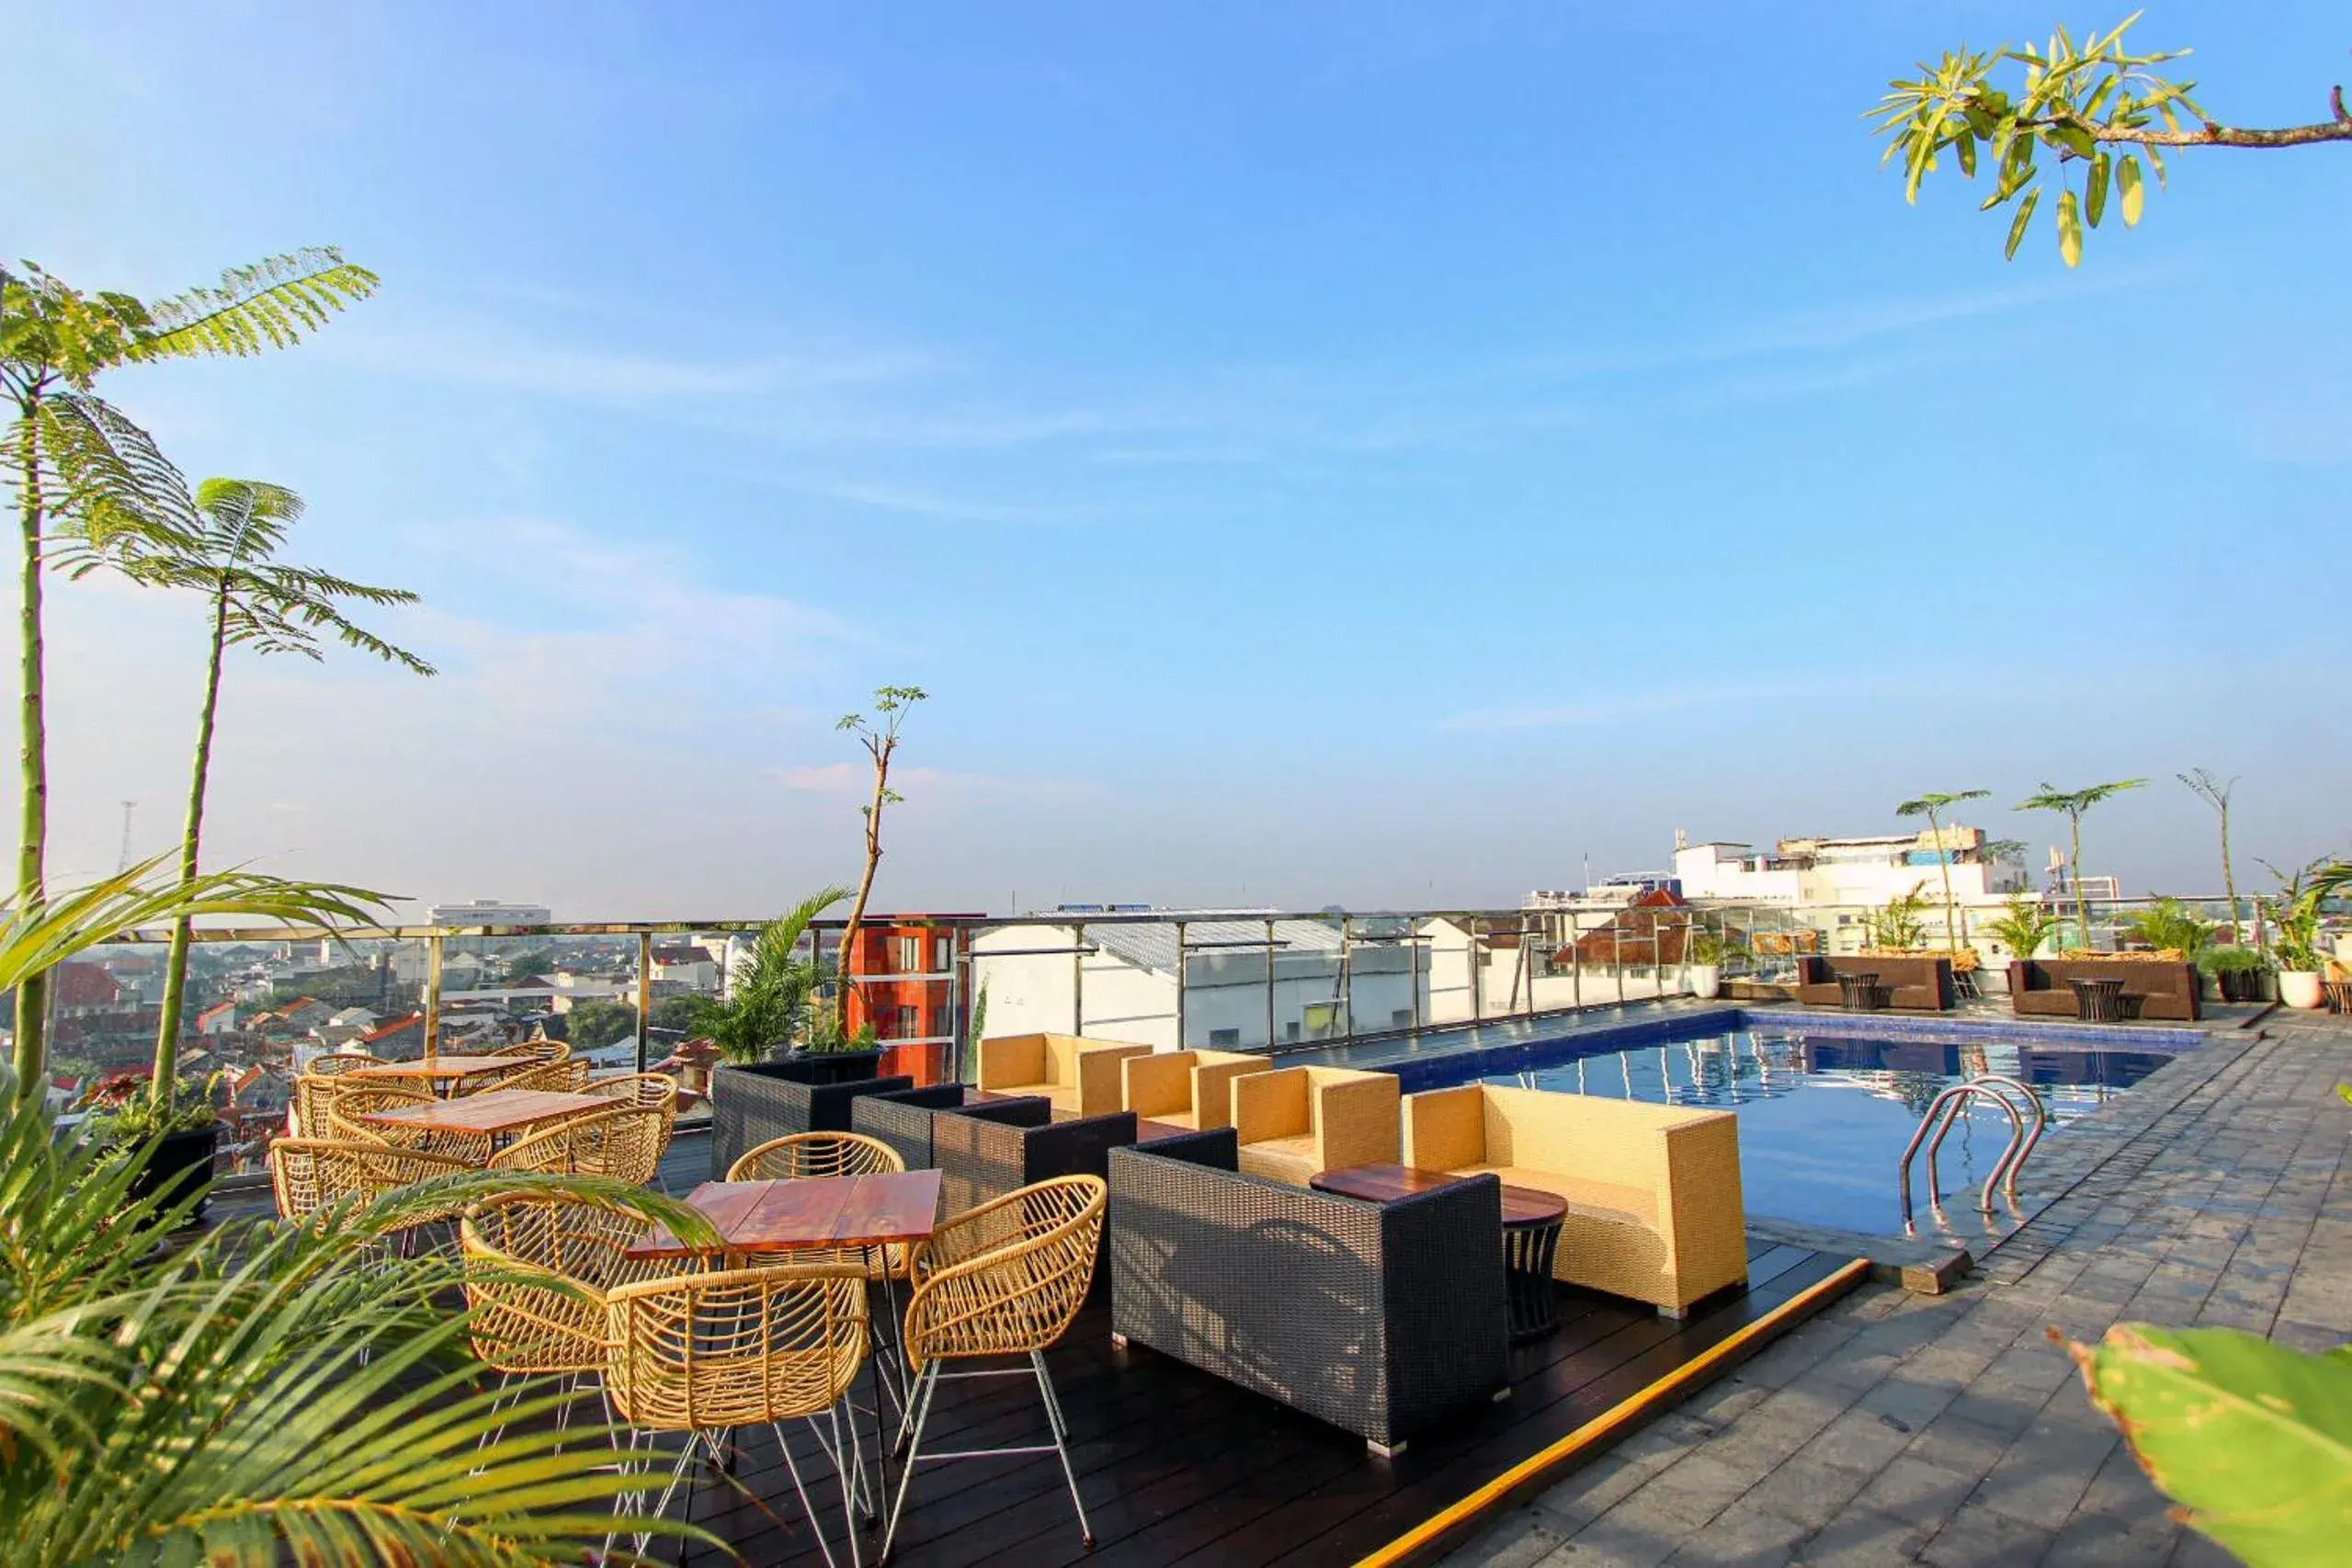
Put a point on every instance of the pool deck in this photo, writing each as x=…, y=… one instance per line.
x=1948, y=1429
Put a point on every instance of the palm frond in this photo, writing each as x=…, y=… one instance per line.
x=115, y=487
x=269, y=305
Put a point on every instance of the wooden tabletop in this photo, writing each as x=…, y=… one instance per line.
x=437, y=1067
x=812, y=1211
x=1383, y=1183
x=495, y=1110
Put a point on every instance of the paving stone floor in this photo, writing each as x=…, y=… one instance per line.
x=1949, y=1430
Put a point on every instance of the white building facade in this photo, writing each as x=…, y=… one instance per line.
x=1868, y=870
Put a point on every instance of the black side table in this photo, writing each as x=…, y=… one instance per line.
x=1858, y=993
x=1530, y=1238
x=2097, y=1001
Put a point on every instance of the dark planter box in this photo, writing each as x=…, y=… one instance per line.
x=177, y=1168
x=2239, y=984
x=826, y=1066
x=750, y=1105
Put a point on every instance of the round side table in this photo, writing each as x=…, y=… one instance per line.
x=1530, y=1238
x=1858, y=993
x=2097, y=1001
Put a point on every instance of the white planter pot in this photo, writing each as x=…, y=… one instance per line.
x=1706, y=980
x=2299, y=987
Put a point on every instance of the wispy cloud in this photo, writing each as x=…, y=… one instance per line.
x=856, y=778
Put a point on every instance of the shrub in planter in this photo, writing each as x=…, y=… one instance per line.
x=2237, y=972
x=172, y=1146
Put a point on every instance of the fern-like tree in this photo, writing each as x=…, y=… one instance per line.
x=69, y=454
x=2070, y=804
x=257, y=603
x=879, y=735
x=2094, y=106
x=2215, y=791
x=769, y=990
x=1928, y=806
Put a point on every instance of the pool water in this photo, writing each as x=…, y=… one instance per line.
x=1823, y=1120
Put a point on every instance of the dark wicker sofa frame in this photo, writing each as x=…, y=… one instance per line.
x=901, y=1118
x=1908, y=984
x=753, y=1104
x=1380, y=1318
x=2038, y=986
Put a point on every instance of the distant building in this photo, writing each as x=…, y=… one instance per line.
x=488, y=912
x=219, y=1019
x=81, y=990
x=1850, y=871
x=686, y=968
x=395, y=1042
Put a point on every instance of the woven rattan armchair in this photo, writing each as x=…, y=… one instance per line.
x=537, y=1270
x=1079, y=1075
x=1184, y=1089
x=307, y=1175
x=624, y=1143
x=1003, y=1280
x=566, y=1075
x=313, y=1093
x=701, y=1355
x=327, y=1064
x=799, y=1154
x=354, y=1100
x=658, y=1090
x=1380, y=1318
x=1653, y=1191
x=533, y=1049
x=1300, y=1120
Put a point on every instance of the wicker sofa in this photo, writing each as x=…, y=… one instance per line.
x=1654, y=1199
x=1080, y=1076
x=980, y=1157
x=1906, y=985
x=753, y=1104
x=1184, y=1089
x=901, y=1118
x=1297, y=1121
x=1380, y=1318
x=2038, y=986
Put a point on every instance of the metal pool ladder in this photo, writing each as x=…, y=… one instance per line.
x=1951, y=1104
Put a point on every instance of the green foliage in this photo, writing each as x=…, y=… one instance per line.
x=2228, y=958
x=2069, y=99
x=121, y=1111
x=675, y=1013
x=594, y=1024
x=527, y=966
x=1897, y=923
x=975, y=1031
x=2168, y=923
x=270, y=1393
x=2253, y=1439
x=2092, y=107
x=2024, y=926
x=768, y=995
x=2295, y=911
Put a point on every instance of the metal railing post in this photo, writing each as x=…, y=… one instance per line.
x=1180, y=978
x=432, y=996
x=1477, y=967
x=1413, y=971
x=1269, y=985
x=1078, y=980
x=644, y=994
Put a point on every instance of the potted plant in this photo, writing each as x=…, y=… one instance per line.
x=2236, y=972
x=171, y=1137
x=2023, y=927
x=2167, y=925
x=764, y=1021
x=1707, y=951
x=2293, y=913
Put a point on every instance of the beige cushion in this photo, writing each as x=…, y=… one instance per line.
x=1288, y=1160
x=1593, y=1200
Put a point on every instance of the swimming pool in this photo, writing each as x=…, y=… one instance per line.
x=1823, y=1114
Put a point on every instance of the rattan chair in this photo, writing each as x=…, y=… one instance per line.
x=799, y=1154
x=534, y=1049
x=624, y=1143
x=657, y=1090
x=703, y=1353
x=353, y=1101
x=328, y=1063
x=307, y=1175
x=1003, y=1279
x=562, y=1075
x=537, y=1270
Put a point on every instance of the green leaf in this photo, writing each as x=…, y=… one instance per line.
x=2094, y=190
x=2069, y=229
x=2130, y=195
x=1964, y=145
x=2018, y=226
x=2253, y=1439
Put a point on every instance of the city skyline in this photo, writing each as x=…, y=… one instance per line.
x=1355, y=456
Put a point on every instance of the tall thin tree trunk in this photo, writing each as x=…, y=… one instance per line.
x=32, y=828
x=2229, y=875
x=864, y=886
x=192, y=835
x=2082, y=904
x=1951, y=905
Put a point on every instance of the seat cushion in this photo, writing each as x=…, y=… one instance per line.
x=1187, y=1117
x=1063, y=1097
x=1288, y=1160
x=1593, y=1200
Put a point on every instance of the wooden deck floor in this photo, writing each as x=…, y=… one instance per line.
x=1177, y=1467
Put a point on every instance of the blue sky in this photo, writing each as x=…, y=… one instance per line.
x=1377, y=454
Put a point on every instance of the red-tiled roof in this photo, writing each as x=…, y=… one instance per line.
x=214, y=1012
x=83, y=985
x=394, y=1027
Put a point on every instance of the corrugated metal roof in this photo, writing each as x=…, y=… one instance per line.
x=1153, y=946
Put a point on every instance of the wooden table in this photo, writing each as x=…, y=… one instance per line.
x=807, y=1213
x=1532, y=1220
x=2097, y=1001
x=496, y=1112
x=448, y=1075
x=1858, y=993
